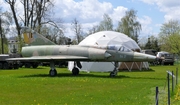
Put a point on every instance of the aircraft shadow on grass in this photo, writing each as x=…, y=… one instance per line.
x=61, y=75
x=143, y=70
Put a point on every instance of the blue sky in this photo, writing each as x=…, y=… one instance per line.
x=150, y=13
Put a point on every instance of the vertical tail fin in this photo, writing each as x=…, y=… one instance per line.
x=33, y=38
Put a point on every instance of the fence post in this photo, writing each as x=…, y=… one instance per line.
x=168, y=89
x=156, y=97
x=172, y=82
x=176, y=76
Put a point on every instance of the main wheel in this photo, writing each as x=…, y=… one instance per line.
x=27, y=65
x=1, y=66
x=35, y=65
x=21, y=64
x=75, y=71
x=172, y=63
x=53, y=73
x=5, y=66
x=16, y=66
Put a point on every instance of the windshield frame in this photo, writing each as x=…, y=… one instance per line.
x=121, y=48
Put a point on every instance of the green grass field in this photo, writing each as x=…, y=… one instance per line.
x=35, y=87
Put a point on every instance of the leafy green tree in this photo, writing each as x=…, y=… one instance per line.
x=5, y=46
x=15, y=17
x=129, y=25
x=53, y=33
x=106, y=24
x=169, y=28
x=5, y=22
x=148, y=44
x=169, y=36
x=152, y=43
x=94, y=29
x=172, y=43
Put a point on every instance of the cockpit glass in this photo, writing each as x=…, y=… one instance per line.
x=119, y=48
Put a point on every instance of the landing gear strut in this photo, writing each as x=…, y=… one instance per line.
x=75, y=70
x=52, y=71
x=115, y=71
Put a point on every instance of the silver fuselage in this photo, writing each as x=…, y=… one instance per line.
x=93, y=53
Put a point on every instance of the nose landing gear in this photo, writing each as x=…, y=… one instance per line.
x=115, y=71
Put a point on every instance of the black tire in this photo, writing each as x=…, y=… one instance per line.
x=53, y=73
x=172, y=63
x=27, y=65
x=75, y=71
x=5, y=66
x=1, y=66
x=35, y=65
x=16, y=66
x=21, y=65
x=112, y=74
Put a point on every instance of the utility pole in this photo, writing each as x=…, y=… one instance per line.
x=2, y=46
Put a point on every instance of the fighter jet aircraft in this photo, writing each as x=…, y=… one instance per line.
x=40, y=49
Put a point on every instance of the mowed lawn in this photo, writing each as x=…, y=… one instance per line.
x=35, y=87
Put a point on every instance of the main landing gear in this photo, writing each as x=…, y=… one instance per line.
x=75, y=70
x=115, y=71
x=53, y=71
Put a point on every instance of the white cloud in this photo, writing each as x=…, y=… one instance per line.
x=117, y=14
x=145, y=20
x=169, y=7
x=172, y=15
x=167, y=3
x=85, y=28
x=158, y=25
x=88, y=12
x=145, y=25
x=147, y=29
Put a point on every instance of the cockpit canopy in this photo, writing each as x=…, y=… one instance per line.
x=119, y=48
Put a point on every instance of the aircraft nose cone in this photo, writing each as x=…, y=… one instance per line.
x=143, y=57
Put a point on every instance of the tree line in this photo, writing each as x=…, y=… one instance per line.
x=37, y=13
